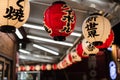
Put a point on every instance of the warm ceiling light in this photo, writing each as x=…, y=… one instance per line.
x=35, y=55
x=49, y=40
x=45, y=49
x=24, y=51
x=42, y=28
x=18, y=34
x=34, y=26
x=28, y=57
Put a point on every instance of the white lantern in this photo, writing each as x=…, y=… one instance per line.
x=96, y=29
x=13, y=13
x=19, y=68
x=37, y=67
x=89, y=48
x=48, y=67
x=75, y=57
x=27, y=67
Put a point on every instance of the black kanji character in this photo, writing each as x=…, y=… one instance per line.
x=14, y=14
x=18, y=3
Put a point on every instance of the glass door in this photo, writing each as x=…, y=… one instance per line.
x=29, y=75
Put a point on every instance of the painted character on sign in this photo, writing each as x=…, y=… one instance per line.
x=92, y=26
x=69, y=17
x=12, y=13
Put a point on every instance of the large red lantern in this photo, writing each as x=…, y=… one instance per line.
x=13, y=14
x=108, y=41
x=59, y=20
x=96, y=29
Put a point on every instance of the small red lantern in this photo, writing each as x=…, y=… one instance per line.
x=80, y=51
x=59, y=20
x=22, y=68
x=54, y=66
x=108, y=41
x=32, y=68
x=43, y=67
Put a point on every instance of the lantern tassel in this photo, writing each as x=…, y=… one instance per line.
x=59, y=38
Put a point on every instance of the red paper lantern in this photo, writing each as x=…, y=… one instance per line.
x=43, y=67
x=80, y=51
x=22, y=68
x=108, y=41
x=59, y=20
x=54, y=66
x=32, y=68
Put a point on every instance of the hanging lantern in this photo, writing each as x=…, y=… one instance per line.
x=18, y=68
x=59, y=20
x=27, y=67
x=108, y=41
x=22, y=68
x=80, y=52
x=37, y=67
x=60, y=65
x=48, y=67
x=75, y=57
x=32, y=68
x=89, y=48
x=67, y=61
x=13, y=14
x=96, y=29
x=43, y=67
x=54, y=66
